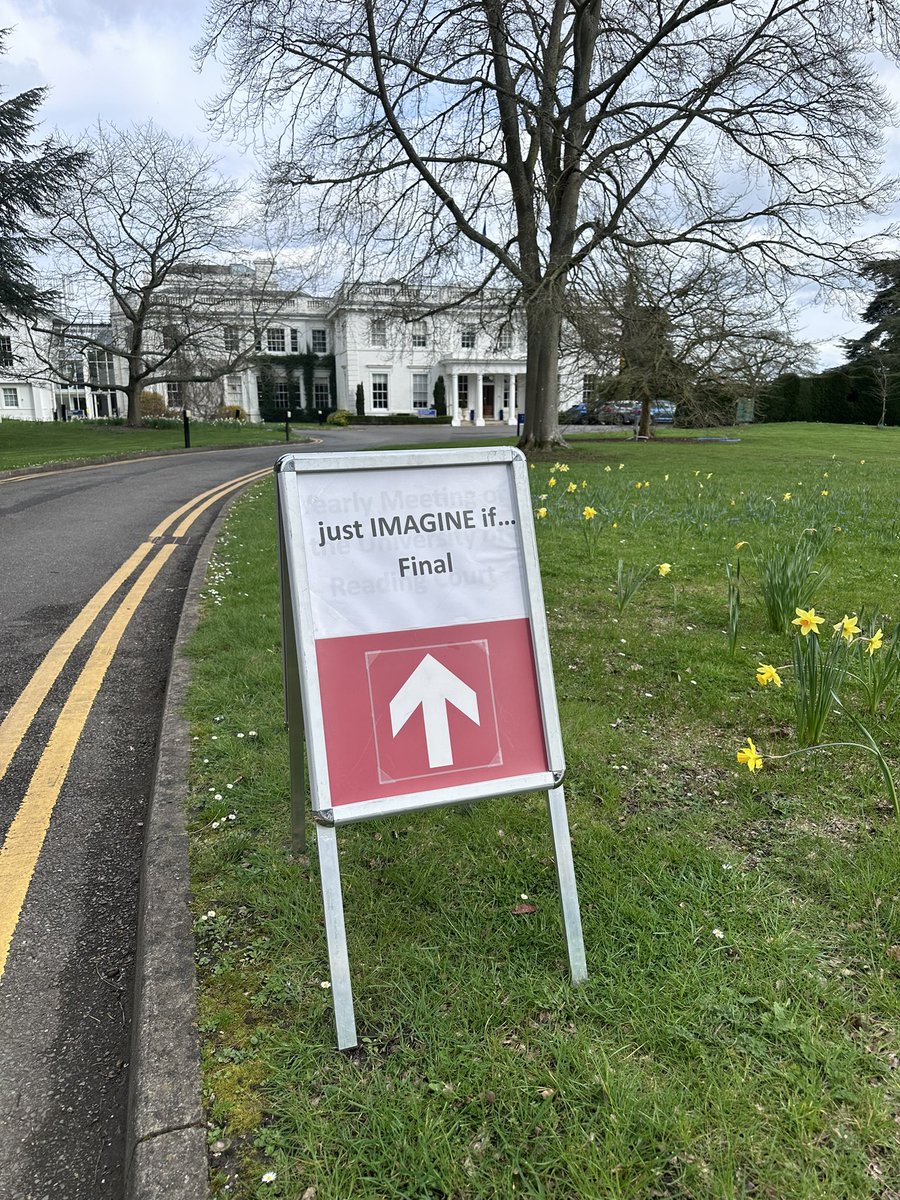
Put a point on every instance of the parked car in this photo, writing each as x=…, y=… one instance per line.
x=576, y=415
x=662, y=412
x=618, y=412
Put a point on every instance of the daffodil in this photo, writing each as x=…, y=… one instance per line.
x=621, y=466
x=551, y=482
x=666, y=478
x=808, y=621
x=739, y=545
x=824, y=492
x=589, y=513
x=541, y=514
x=573, y=487
x=639, y=486
x=847, y=627
x=607, y=467
x=786, y=496
x=766, y=674
x=875, y=641
x=750, y=755
x=664, y=568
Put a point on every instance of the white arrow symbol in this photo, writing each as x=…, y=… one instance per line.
x=434, y=687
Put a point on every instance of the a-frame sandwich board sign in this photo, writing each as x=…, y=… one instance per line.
x=416, y=658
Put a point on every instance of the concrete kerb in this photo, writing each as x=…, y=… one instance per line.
x=165, y=1146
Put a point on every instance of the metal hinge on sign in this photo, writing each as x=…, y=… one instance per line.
x=324, y=816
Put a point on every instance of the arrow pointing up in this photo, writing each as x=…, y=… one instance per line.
x=433, y=686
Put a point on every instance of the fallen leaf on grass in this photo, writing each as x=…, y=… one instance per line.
x=522, y=909
x=893, y=952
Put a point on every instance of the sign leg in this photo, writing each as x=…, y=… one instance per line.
x=293, y=704
x=339, y=962
x=568, y=890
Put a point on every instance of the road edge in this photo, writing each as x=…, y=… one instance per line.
x=165, y=1139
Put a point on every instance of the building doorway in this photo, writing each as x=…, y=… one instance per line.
x=487, y=395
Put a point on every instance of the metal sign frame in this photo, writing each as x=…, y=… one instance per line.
x=304, y=717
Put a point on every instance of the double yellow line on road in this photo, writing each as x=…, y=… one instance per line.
x=25, y=838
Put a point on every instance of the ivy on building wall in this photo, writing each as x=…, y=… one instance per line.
x=298, y=371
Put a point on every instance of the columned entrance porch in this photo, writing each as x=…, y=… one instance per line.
x=484, y=391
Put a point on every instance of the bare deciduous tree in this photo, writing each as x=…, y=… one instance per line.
x=536, y=132
x=689, y=325
x=150, y=232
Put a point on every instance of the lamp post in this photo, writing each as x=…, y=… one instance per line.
x=287, y=425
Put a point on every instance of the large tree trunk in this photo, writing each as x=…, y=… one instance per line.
x=542, y=320
x=133, y=394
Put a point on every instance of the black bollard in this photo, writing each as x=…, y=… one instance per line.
x=287, y=426
x=186, y=421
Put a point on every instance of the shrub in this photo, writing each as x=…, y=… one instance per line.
x=338, y=417
x=440, y=397
x=360, y=401
x=230, y=412
x=152, y=405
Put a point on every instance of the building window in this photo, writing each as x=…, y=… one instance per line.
x=281, y=396
x=295, y=341
x=462, y=391
x=320, y=341
x=10, y=398
x=321, y=393
x=101, y=368
x=173, y=394
x=379, y=391
x=420, y=391
x=379, y=332
x=6, y=353
x=230, y=339
x=419, y=334
x=275, y=341
x=589, y=388
x=467, y=337
x=505, y=339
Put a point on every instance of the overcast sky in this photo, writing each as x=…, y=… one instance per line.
x=127, y=60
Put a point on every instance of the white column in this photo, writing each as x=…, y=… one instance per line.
x=450, y=391
x=479, y=400
x=511, y=415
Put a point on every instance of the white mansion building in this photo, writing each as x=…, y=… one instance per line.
x=304, y=351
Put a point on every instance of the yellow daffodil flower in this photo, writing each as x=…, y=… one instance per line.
x=766, y=674
x=541, y=513
x=875, y=642
x=808, y=621
x=664, y=568
x=739, y=545
x=666, y=478
x=573, y=487
x=750, y=755
x=848, y=628
x=786, y=496
x=621, y=466
x=551, y=482
x=607, y=467
x=588, y=513
x=563, y=467
x=639, y=486
x=824, y=492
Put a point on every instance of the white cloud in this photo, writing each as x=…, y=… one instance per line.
x=117, y=63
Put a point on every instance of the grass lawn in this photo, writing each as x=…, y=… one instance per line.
x=33, y=443
x=738, y=1035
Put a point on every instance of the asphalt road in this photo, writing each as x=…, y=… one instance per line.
x=67, y=981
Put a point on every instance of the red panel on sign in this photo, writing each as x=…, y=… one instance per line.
x=417, y=710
